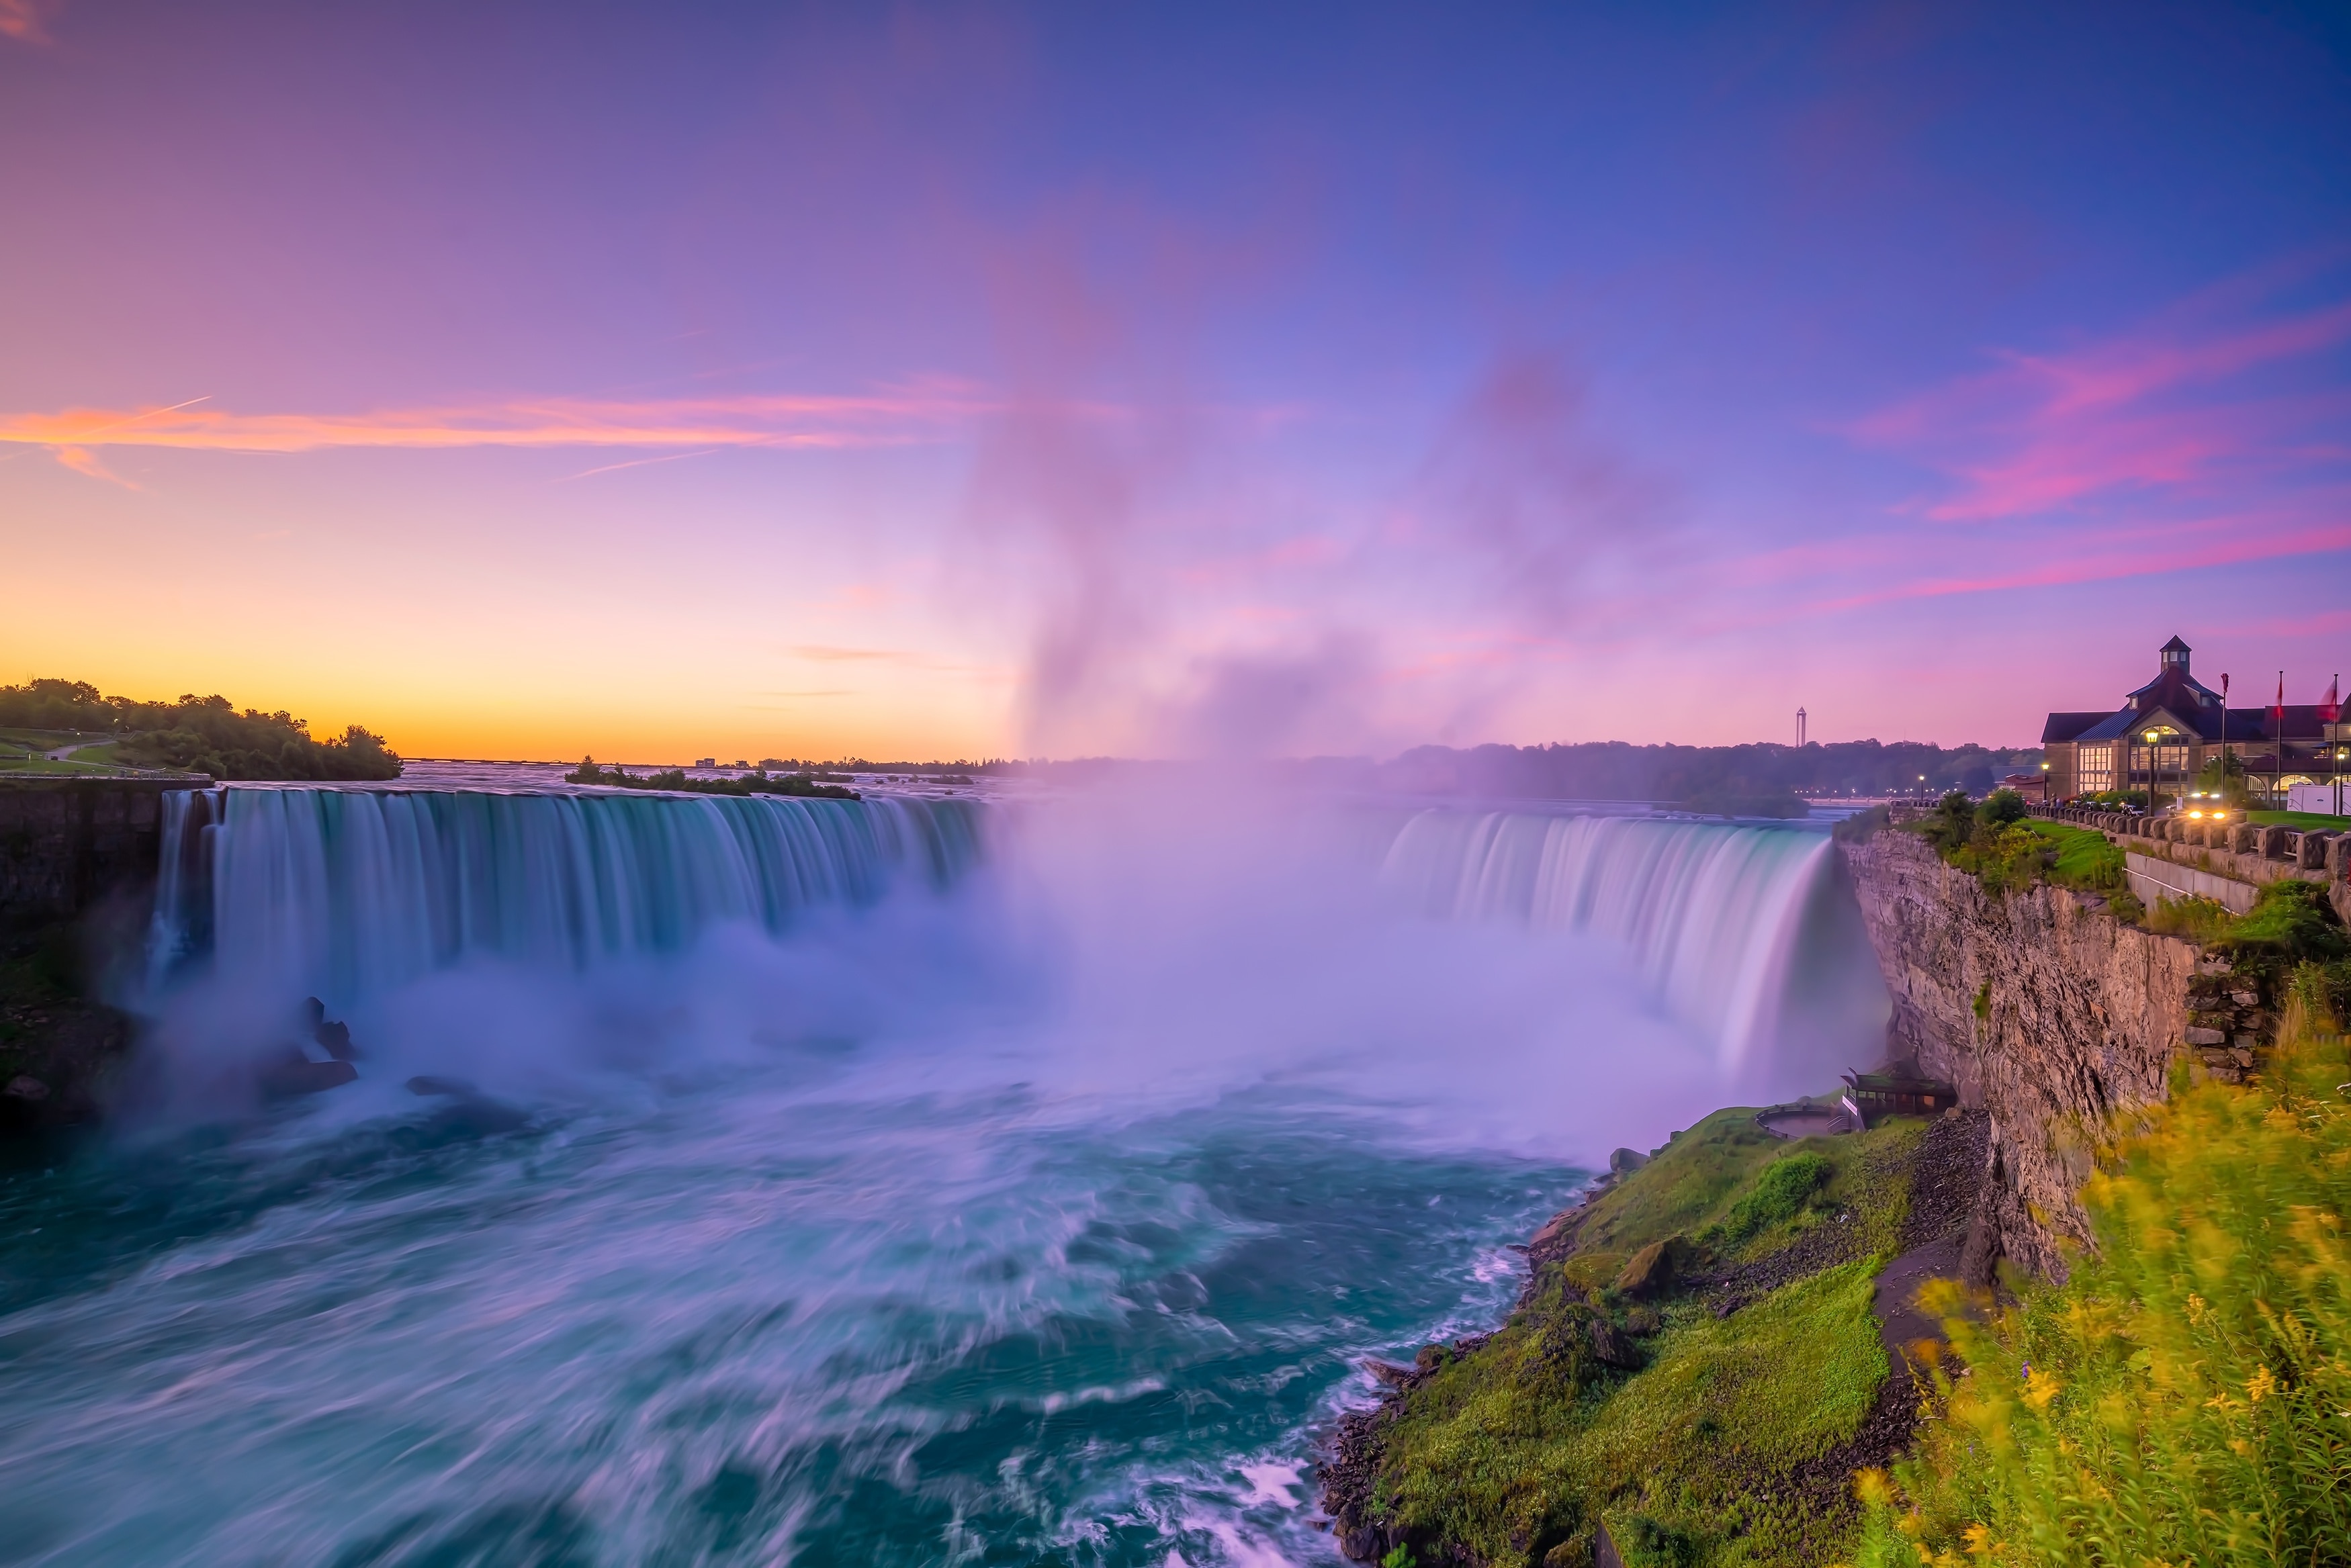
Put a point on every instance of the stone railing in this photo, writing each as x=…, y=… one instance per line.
x=2253, y=853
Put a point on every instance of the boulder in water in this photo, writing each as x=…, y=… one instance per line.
x=333, y=1038
x=295, y=1075
x=24, y=1086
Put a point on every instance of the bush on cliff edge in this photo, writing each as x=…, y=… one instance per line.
x=2186, y=1396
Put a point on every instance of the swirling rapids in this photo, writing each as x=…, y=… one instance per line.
x=830, y=1196
x=813, y=1322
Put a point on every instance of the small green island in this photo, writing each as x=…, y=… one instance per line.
x=756, y=781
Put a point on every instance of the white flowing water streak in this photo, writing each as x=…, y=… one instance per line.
x=349, y=893
x=1712, y=911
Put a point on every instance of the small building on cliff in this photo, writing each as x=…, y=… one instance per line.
x=2170, y=728
x=1896, y=1088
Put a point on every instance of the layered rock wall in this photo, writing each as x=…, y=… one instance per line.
x=68, y=843
x=2042, y=1008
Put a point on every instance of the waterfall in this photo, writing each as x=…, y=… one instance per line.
x=346, y=893
x=1713, y=914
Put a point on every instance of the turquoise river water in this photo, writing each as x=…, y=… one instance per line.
x=890, y=1182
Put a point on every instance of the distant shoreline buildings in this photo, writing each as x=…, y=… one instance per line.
x=2169, y=730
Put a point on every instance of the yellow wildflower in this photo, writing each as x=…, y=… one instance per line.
x=2259, y=1384
x=2040, y=1388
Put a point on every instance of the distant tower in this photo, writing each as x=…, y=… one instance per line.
x=1800, y=729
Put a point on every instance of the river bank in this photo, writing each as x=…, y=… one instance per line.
x=1705, y=1350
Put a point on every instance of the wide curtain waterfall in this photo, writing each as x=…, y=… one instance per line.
x=348, y=892
x=709, y=1185
x=1713, y=912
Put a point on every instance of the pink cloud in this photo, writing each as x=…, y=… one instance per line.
x=2198, y=401
x=81, y=460
x=2148, y=551
x=25, y=20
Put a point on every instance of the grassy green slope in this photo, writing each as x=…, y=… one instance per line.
x=1515, y=1450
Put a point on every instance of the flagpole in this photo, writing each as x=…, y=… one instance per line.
x=2334, y=738
x=2277, y=768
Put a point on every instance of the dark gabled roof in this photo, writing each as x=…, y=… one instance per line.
x=2245, y=725
x=2175, y=689
x=1900, y=1078
x=2066, y=727
x=2129, y=721
x=2302, y=723
x=2176, y=698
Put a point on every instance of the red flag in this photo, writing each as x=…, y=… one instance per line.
x=2332, y=712
x=2277, y=709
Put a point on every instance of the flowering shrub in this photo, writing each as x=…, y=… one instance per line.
x=2186, y=1396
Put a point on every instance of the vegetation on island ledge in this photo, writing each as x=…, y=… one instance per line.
x=195, y=734
x=2186, y=1396
x=759, y=781
x=1694, y=1364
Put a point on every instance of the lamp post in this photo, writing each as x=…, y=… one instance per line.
x=2224, y=739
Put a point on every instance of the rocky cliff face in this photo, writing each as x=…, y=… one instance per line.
x=68, y=843
x=2041, y=1008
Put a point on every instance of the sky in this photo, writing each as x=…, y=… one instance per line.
x=1213, y=381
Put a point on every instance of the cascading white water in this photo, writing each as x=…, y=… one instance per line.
x=1712, y=911
x=348, y=893
x=766, y=1234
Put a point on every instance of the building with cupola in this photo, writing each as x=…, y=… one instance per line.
x=2168, y=730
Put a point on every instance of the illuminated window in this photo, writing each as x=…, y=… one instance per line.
x=2094, y=769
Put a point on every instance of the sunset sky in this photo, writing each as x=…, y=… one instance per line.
x=663, y=381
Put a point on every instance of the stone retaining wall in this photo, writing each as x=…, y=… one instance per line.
x=2156, y=879
x=68, y=843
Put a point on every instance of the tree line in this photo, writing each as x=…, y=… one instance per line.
x=199, y=734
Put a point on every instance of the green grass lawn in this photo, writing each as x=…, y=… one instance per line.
x=46, y=740
x=1678, y=1192
x=39, y=765
x=25, y=752
x=2298, y=819
x=1504, y=1449
x=2085, y=858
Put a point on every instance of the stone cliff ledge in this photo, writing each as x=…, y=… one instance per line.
x=2040, y=1007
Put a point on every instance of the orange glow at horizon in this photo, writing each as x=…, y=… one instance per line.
x=785, y=422
x=547, y=722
